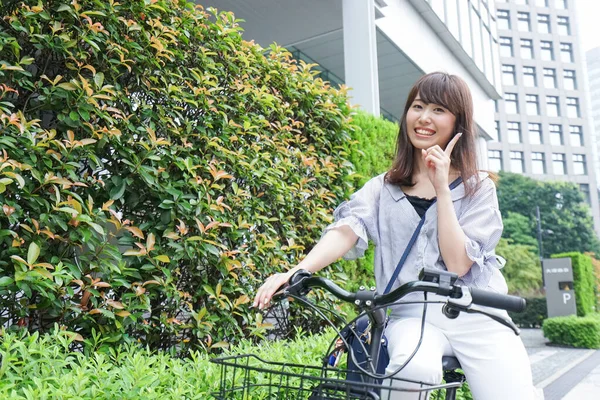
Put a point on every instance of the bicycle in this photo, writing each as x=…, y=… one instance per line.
x=250, y=377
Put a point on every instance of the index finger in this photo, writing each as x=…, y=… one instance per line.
x=452, y=143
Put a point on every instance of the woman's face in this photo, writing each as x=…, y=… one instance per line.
x=429, y=124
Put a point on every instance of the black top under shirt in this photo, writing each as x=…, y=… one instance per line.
x=419, y=204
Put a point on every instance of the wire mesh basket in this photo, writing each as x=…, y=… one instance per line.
x=248, y=377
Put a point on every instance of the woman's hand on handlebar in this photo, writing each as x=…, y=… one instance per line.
x=268, y=289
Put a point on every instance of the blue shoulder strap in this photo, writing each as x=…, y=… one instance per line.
x=415, y=234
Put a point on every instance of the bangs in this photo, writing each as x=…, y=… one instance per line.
x=441, y=89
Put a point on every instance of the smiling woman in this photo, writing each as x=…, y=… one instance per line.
x=413, y=214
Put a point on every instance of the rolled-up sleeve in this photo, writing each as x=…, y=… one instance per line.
x=482, y=224
x=360, y=214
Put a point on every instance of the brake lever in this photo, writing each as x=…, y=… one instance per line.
x=465, y=303
x=498, y=318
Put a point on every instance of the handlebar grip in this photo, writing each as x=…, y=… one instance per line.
x=497, y=300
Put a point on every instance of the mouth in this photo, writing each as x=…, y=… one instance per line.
x=424, y=132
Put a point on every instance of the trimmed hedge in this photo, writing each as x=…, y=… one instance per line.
x=534, y=314
x=584, y=282
x=574, y=331
x=38, y=366
x=155, y=168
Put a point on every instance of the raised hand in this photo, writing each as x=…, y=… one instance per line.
x=437, y=162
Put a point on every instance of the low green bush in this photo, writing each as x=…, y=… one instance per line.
x=534, y=314
x=574, y=331
x=43, y=366
x=583, y=281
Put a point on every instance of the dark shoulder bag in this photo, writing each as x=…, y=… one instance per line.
x=360, y=330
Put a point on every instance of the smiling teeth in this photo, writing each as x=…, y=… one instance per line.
x=424, y=132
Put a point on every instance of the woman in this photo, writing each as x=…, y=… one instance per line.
x=436, y=145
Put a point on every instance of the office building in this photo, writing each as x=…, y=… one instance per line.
x=542, y=127
x=379, y=48
x=593, y=80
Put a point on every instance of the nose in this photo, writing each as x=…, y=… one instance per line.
x=425, y=116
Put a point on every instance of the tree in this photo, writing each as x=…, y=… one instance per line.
x=566, y=221
x=522, y=271
x=517, y=228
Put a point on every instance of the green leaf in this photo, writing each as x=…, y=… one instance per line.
x=99, y=79
x=118, y=191
x=33, y=253
x=6, y=280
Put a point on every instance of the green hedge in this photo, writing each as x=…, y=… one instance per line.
x=583, y=282
x=42, y=367
x=574, y=331
x=534, y=315
x=155, y=168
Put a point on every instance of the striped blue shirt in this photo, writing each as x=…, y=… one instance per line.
x=381, y=213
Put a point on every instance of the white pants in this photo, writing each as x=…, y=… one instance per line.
x=493, y=358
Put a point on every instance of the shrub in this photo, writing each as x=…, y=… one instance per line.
x=42, y=366
x=574, y=331
x=534, y=314
x=583, y=282
x=155, y=167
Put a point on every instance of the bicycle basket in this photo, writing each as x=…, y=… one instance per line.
x=248, y=377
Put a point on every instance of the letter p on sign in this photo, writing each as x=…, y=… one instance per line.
x=566, y=297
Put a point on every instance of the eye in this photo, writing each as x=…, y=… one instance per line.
x=440, y=109
x=417, y=106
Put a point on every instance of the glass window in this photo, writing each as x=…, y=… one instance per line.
x=579, y=167
x=506, y=47
x=503, y=19
x=529, y=78
x=514, y=132
x=573, y=107
x=495, y=160
x=561, y=4
x=546, y=50
x=508, y=75
x=550, y=78
x=558, y=163
x=585, y=190
x=511, y=103
x=570, y=81
x=540, y=3
x=552, y=108
x=516, y=162
x=532, y=104
x=538, y=165
x=524, y=23
x=543, y=23
x=563, y=25
x=524, y=2
x=556, y=137
x=535, y=133
x=497, y=132
x=566, y=52
x=526, y=48
x=576, y=134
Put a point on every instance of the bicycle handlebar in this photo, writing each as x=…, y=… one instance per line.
x=460, y=296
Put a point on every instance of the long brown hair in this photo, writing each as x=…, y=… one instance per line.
x=452, y=93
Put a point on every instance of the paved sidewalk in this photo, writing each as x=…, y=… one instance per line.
x=562, y=373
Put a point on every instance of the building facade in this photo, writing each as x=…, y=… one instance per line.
x=593, y=77
x=542, y=128
x=379, y=48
